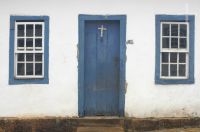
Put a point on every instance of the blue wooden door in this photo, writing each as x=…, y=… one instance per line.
x=101, y=68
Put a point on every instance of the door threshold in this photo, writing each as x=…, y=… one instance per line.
x=102, y=117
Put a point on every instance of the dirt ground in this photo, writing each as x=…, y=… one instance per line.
x=179, y=130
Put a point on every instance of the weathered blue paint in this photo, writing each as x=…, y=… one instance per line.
x=175, y=18
x=101, y=65
x=45, y=80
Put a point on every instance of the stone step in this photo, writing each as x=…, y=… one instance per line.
x=104, y=124
x=100, y=129
x=101, y=122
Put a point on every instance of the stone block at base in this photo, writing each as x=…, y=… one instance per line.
x=100, y=129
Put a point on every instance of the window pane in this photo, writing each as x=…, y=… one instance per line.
x=173, y=57
x=20, y=30
x=174, y=30
x=38, y=30
x=29, y=68
x=174, y=43
x=20, y=68
x=182, y=57
x=20, y=57
x=182, y=70
x=165, y=70
x=173, y=70
x=29, y=57
x=165, y=43
x=183, y=43
x=165, y=30
x=165, y=57
x=20, y=44
x=38, y=43
x=29, y=44
x=38, y=57
x=38, y=69
x=29, y=30
x=183, y=30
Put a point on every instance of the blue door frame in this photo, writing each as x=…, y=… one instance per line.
x=81, y=45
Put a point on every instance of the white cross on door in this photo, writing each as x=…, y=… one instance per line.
x=101, y=30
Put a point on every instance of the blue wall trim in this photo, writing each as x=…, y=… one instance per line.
x=175, y=18
x=45, y=80
x=82, y=18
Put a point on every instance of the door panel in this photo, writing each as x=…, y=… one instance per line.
x=101, y=68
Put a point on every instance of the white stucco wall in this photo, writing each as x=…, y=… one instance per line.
x=60, y=96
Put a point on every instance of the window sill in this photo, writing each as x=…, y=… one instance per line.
x=29, y=81
x=174, y=81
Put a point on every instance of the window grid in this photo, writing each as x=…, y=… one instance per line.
x=170, y=50
x=32, y=50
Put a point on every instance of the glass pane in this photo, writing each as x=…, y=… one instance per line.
x=38, y=30
x=38, y=68
x=20, y=44
x=165, y=69
x=20, y=68
x=174, y=43
x=29, y=44
x=183, y=43
x=165, y=30
x=38, y=57
x=165, y=57
x=173, y=57
x=173, y=70
x=29, y=57
x=29, y=68
x=20, y=30
x=183, y=30
x=20, y=57
x=182, y=57
x=174, y=30
x=182, y=70
x=38, y=43
x=165, y=43
x=29, y=30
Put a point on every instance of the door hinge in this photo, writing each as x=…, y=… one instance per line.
x=77, y=54
x=126, y=86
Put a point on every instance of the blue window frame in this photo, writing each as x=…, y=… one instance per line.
x=174, y=49
x=29, y=50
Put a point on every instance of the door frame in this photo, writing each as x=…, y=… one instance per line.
x=81, y=30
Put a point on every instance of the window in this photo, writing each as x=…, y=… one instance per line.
x=174, y=49
x=29, y=49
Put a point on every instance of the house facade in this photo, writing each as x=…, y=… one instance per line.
x=99, y=58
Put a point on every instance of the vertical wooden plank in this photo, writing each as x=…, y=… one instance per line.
x=90, y=68
x=114, y=65
x=122, y=65
x=81, y=66
x=102, y=55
